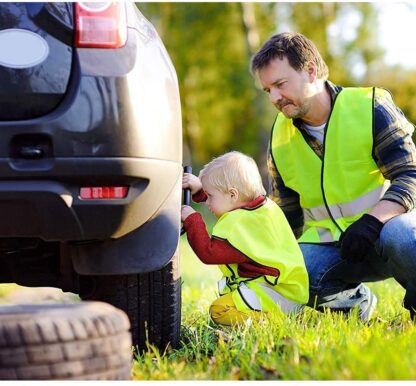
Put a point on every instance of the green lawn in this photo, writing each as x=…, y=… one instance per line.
x=6, y=289
x=314, y=346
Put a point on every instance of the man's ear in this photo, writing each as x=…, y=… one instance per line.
x=234, y=194
x=311, y=70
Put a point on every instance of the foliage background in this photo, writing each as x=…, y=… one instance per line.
x=223, y=109
x=211, y=45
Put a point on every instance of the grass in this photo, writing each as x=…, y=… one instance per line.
x=312, y=346
x=6, y=289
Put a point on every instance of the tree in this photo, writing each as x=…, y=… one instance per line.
x=345, y=34
x=211, y=45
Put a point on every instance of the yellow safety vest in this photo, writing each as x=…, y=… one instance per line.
x=264, y=236
x=338, y=190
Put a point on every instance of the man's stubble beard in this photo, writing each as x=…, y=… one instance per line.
x=298, y=112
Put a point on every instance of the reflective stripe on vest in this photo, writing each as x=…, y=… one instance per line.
x=222, y=284
x=347, y=183
x=325, y=235
x=347, y=209
x=264, y=236
x=252, y=300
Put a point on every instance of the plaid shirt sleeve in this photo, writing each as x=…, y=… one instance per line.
x=395, y=152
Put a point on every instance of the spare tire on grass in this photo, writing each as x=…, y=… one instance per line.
x=84, y=341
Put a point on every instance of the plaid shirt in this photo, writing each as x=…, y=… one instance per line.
x=394, y=153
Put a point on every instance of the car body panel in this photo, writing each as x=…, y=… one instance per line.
x=115, y=120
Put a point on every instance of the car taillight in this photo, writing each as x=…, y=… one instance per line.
x=100, y=25
x=103, y=192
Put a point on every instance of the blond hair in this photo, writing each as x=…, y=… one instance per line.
x=234, y=170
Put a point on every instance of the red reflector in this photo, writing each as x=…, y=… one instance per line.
x=103, y=192
x=100, y=25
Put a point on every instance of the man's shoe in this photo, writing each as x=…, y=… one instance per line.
x=368, y=305
x=359, y=298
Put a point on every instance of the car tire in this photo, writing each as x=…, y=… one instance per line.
x=151, y=300
x=76, y=341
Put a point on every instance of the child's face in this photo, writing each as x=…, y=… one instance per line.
x=218, y=202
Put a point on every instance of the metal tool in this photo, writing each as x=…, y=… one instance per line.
x=186, y=194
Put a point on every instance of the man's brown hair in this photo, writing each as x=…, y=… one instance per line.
x=297, y=48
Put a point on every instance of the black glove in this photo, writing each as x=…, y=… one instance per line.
x=359, y=238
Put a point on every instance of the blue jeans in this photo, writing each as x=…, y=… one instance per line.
x=335, y=283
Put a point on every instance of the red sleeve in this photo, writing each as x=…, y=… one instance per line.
x=199, y=196
x=210, y=251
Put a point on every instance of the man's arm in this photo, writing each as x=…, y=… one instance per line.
x=395, y=155
x=386, y=210
x=287, y=199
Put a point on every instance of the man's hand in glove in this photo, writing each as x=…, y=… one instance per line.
x=359, y=238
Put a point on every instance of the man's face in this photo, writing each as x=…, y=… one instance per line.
x=289, y=90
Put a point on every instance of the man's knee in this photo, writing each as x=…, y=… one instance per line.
x=399, y=233
x=319, y=260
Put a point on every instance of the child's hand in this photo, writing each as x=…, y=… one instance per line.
x=185, y=212
x=190, y=181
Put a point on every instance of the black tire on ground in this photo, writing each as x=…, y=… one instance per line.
x=83, y=341
x=151, y=300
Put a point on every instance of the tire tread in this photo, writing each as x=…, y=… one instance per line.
x=90, y=343
x=151, y=300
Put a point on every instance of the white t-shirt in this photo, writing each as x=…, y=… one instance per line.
x=316, y=131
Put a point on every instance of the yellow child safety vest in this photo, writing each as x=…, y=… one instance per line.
x=264, y=236
x=336, y=191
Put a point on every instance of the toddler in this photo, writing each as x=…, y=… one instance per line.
x=252, y=242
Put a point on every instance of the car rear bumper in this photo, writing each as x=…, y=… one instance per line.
x=46, y=203
x=146, y=249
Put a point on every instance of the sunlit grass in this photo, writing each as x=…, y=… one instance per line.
x=6, y=289
x=13, y=293
x=313, y=346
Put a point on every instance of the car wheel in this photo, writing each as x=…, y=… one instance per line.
x=84, y=341
x=151, y=300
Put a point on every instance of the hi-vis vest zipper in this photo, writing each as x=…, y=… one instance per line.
x=264, y=236
x=347, y=183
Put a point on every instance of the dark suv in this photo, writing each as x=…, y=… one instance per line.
x=90, y=159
